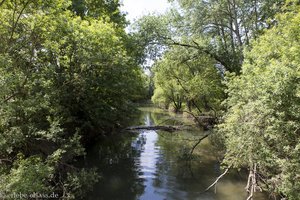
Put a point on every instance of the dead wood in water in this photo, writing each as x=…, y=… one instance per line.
x=163, y=128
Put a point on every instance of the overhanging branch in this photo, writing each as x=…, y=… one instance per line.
x=172, y=42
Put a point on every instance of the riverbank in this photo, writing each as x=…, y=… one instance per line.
x=153, y=164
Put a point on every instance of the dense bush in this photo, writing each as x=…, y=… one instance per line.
x=262, y=126
x=63, y=79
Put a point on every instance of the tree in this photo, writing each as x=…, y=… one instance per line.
x=261, y=127
x=184, y=76
x=64, y=80
x=108, y=10
x=227, y=26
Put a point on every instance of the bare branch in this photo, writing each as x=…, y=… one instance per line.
x=217, y=180
x=199, y=141
x=167, y=128
x=171, y=42
x=252, y=182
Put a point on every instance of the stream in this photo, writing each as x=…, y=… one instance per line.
x=154, y=165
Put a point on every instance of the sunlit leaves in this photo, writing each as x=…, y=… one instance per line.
x=262, y=123
x=64, y=79
x=183, y=75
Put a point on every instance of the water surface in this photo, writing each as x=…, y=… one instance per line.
x=154, y=165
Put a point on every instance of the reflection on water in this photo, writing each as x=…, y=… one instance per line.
x=151, y=165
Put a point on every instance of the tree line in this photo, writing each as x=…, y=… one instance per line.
x=69, y=73
x=238, y=61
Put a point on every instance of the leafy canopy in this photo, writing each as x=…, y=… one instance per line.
x=262, y=124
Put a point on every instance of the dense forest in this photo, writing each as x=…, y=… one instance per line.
x=70, y=73
x=237, y=61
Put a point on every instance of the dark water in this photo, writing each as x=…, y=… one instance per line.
x=153, y=165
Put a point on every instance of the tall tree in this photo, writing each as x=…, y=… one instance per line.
x=184, y=77
x=64, y=79
x=227, y=26
x=261, y=128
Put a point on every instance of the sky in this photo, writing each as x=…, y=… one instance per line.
x=138, y=8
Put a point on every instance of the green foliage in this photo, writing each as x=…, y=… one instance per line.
x=24, y=171
x=78, y=183
x=64, y=80
x=262, y=123
x=227, y=26
x=183, y=75
x=108, y=10
x=152, y=33
x=261, y=127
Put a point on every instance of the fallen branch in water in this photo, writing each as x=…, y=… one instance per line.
x=164, y=128
x=217, y=180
